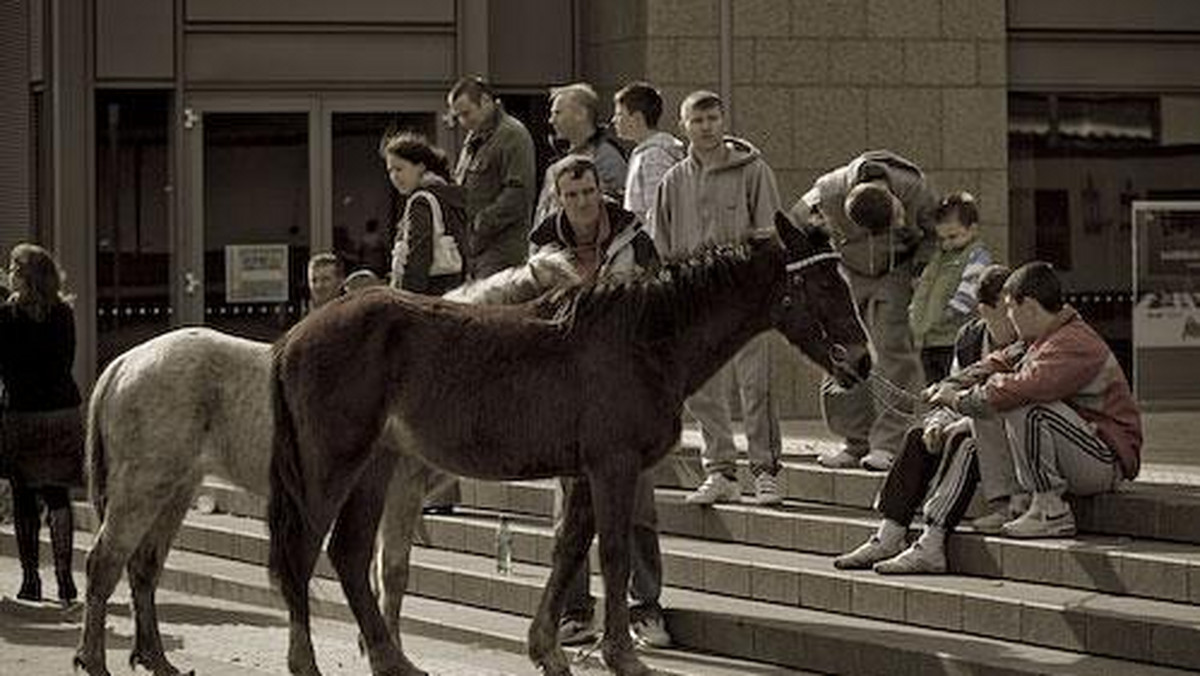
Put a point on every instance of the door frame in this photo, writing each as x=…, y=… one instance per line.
x=189, y=253
x=334, y=103
x=187, y=265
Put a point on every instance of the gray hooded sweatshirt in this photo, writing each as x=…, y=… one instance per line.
x=648, y=163
x=704, y=205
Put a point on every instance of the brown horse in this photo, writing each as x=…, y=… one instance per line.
x=586, y=381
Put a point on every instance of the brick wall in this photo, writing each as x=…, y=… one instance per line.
x=815, y=82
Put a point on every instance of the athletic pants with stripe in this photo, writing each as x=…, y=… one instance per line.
x=945, y=483
x=1056, y=451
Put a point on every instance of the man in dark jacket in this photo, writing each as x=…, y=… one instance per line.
x=497, y=169
x=605, y=241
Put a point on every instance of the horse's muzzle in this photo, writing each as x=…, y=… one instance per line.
x=851, y=364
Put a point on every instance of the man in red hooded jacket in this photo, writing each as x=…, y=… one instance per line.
x=1071, y=419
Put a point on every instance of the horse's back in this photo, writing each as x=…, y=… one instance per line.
x=190, y=400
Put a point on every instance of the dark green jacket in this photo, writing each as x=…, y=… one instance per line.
x=497, y=170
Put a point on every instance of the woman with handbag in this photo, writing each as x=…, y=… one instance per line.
x=427, y=255
x=430, y=242
x=43, y=426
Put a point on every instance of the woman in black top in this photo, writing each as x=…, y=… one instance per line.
x=43, y=428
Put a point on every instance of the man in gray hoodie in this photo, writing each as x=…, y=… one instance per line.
x=636, y=110
x=721, y=192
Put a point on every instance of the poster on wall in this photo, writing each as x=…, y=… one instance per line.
x=256, y=273
x=1166, y=311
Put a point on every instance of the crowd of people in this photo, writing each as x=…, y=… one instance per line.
x=1024, y=399
x=1013, y=392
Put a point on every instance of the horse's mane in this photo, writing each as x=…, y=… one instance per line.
x=677, y=289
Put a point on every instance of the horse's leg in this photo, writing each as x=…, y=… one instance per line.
x=401, y=512
x=304, y=546
x=570, y=548
x=350, y=550
x=145, y=569
x=126, y=520
x=613, y=490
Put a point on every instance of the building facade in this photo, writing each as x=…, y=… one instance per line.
x=183, y=158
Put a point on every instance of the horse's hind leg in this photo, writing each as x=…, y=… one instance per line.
x=126, y=521
x=145, y=569
x=401, y=512
x=350, y=550
x=570, y=548
x=613, y=498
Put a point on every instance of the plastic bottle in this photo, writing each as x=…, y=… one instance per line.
x=504, y=542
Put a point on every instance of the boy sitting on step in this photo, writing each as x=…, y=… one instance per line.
x=949, y=452
x=1071, y=419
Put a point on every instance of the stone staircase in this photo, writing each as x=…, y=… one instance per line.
x=752, y=590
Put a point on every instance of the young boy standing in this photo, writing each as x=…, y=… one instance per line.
x=947, y=292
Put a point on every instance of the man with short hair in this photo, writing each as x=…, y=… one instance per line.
x=720, y=193
x=1071, y=419
x=326, y=274
x=942, y=461
x=880, y=209
x=497, y=170
x=604, y=240
x=636, y=110
x=575, y=117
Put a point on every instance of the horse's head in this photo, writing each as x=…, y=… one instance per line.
x=816, y=311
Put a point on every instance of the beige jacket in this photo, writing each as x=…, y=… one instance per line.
x=705, y=205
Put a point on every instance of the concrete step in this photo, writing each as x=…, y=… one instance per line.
x=1156, y=508
x=768, y=633
x=234, y=580
x=1119, y=565
x=1080, y=621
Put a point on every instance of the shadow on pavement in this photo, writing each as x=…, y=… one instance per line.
x=198, y=615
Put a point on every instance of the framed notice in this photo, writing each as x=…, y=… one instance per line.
x=1166, y=310
x=256, y=273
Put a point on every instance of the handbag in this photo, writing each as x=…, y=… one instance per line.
x=447, y=260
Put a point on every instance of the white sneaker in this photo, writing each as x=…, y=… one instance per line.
x=992, y=522
x=650, y=631
x=877, y=460
x=1002, y=512
x=868, y=554
x=716, y=488
x=839, y=459
x=912, y=561
x=1048, y=516
x=766, y=489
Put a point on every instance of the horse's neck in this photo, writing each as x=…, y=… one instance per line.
x=700, y=341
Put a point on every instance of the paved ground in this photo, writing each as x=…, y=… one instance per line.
x=216, y=638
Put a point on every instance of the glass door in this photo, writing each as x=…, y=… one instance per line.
x=252, y=215
x=133, y=219
x=362, y=207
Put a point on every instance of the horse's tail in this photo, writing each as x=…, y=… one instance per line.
x=94, y=439
x=285, y=506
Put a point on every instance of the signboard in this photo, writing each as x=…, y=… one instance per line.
x=1166, y=311
x=256, y=273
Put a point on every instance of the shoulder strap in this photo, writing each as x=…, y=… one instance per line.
x=435, y=209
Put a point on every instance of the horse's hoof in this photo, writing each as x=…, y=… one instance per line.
x=78, y=663
x=625, y=663
x=555, y=663
x=155, y=664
